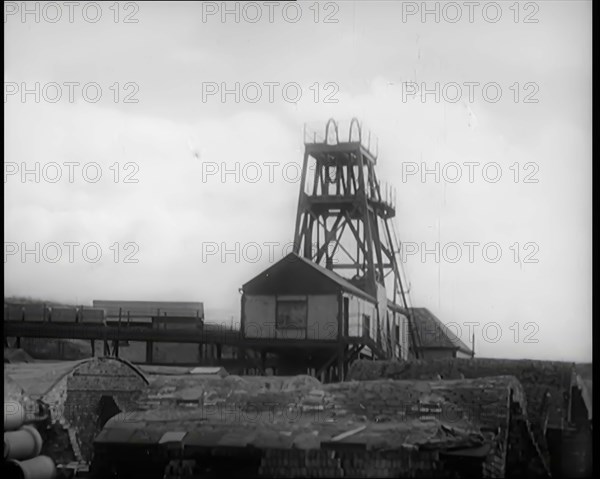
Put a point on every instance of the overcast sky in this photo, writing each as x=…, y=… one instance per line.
x=153, y=124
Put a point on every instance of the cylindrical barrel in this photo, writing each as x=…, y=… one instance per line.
x=14, y=415
x=22, y=444
x=40, y=467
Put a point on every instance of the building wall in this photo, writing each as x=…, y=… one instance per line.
x=404, y=336
x=322, y=317
x=259, y=315
x=400, y=341
x=258, y=311
x=349, y=462
x=357, y=308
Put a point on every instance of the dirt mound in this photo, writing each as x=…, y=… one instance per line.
x=12, y=355
x=57, y=349
x=12, y=391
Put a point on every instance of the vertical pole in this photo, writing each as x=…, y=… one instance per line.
x=149, y=348
x=298, y=232
x=341, y=362
x=116, y=344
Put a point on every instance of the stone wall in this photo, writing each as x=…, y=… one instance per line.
x=74, y=400
x=546, y=383
x=352, y=463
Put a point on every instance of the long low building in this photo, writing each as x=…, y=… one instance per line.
x=151, y=311
x=298, y=427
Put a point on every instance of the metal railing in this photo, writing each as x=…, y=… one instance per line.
x=334, y=133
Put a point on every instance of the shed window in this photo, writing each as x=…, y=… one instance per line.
x=292, y=314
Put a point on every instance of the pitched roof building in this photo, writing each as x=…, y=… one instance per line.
x=436, y=339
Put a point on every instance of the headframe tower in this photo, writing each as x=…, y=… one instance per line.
x=344, y=216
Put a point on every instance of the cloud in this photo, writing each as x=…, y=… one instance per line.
x=241, y=190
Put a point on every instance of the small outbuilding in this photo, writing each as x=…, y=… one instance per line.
x=296, y=302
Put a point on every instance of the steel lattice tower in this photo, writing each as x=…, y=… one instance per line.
x=345, y=211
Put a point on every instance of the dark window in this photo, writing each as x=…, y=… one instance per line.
x=291, y=314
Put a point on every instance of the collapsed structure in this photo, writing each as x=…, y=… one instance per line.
x=558, y=401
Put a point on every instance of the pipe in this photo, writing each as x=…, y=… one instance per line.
x=14, y=415
x=40, y=467
x=22, y=444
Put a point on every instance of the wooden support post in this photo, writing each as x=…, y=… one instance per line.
x=263, y=361
x=149, y=348
x=219, y=350
x=242, y=356
x=93, y=343
x=116, y=343
x=341, y=362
